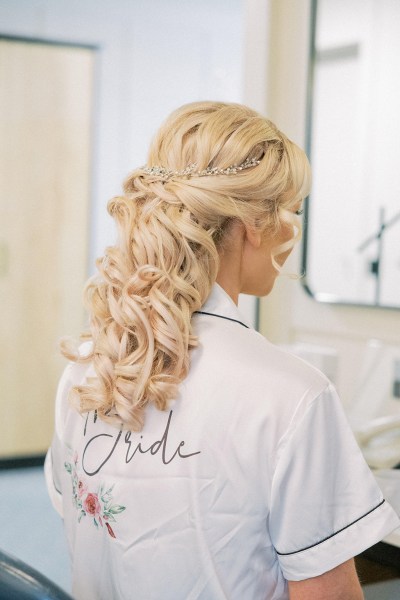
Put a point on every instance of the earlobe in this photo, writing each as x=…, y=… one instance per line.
x=253, y=236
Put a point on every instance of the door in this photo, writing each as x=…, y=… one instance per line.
x=45, y=157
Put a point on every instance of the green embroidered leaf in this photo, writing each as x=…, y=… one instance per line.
x=108, y=494
x=116, y=509
x=68, y=467
x=83, y=514
x=96, y=523
x=110, y=517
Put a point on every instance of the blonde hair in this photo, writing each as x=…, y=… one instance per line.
x=166, y=259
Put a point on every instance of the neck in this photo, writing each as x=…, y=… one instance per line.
x=230, y=264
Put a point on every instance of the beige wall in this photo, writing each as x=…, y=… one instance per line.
x=290, y=315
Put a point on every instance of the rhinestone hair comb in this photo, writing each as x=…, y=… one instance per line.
x=190, y=170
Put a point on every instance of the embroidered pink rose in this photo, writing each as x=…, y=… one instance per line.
x=100, y=506
x=91, y=505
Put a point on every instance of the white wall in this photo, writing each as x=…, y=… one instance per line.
x=154, y=55
x=289, y=314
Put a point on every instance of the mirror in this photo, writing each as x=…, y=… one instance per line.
x=351, y=251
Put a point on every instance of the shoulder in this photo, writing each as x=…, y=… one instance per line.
x=245, y=362
x=285, y=379
x=75, y=373
x=226, y=343
x=284, y=365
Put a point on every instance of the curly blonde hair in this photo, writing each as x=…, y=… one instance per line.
x=166, y=260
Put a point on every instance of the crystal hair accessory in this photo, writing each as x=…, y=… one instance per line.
x=190, y=170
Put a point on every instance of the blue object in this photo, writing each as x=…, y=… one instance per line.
x=19, y=581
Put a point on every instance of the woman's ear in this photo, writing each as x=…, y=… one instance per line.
x=253, y=235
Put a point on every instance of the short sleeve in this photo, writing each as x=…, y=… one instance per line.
x=53, y=461
x=326, y=506
x=53, y=489
x=73, y=374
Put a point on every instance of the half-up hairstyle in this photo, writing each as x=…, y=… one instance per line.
x=166, y=260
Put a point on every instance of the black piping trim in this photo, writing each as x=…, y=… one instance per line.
x=56, y=488
x=201, y=312
x=52, y=476
x=333, y=534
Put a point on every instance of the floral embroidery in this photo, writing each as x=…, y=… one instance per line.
x=97, y=505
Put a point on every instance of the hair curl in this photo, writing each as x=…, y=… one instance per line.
x=166, y=260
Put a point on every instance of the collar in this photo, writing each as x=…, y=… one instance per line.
x=220, y=304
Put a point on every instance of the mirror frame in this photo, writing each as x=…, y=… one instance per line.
x=319, y=296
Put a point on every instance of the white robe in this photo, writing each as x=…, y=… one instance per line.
x=250, y=478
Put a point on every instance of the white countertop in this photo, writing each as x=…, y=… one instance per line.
x=393, y=538
x=389, y=482
x=379, y=441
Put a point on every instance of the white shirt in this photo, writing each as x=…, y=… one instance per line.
x=251, y=477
